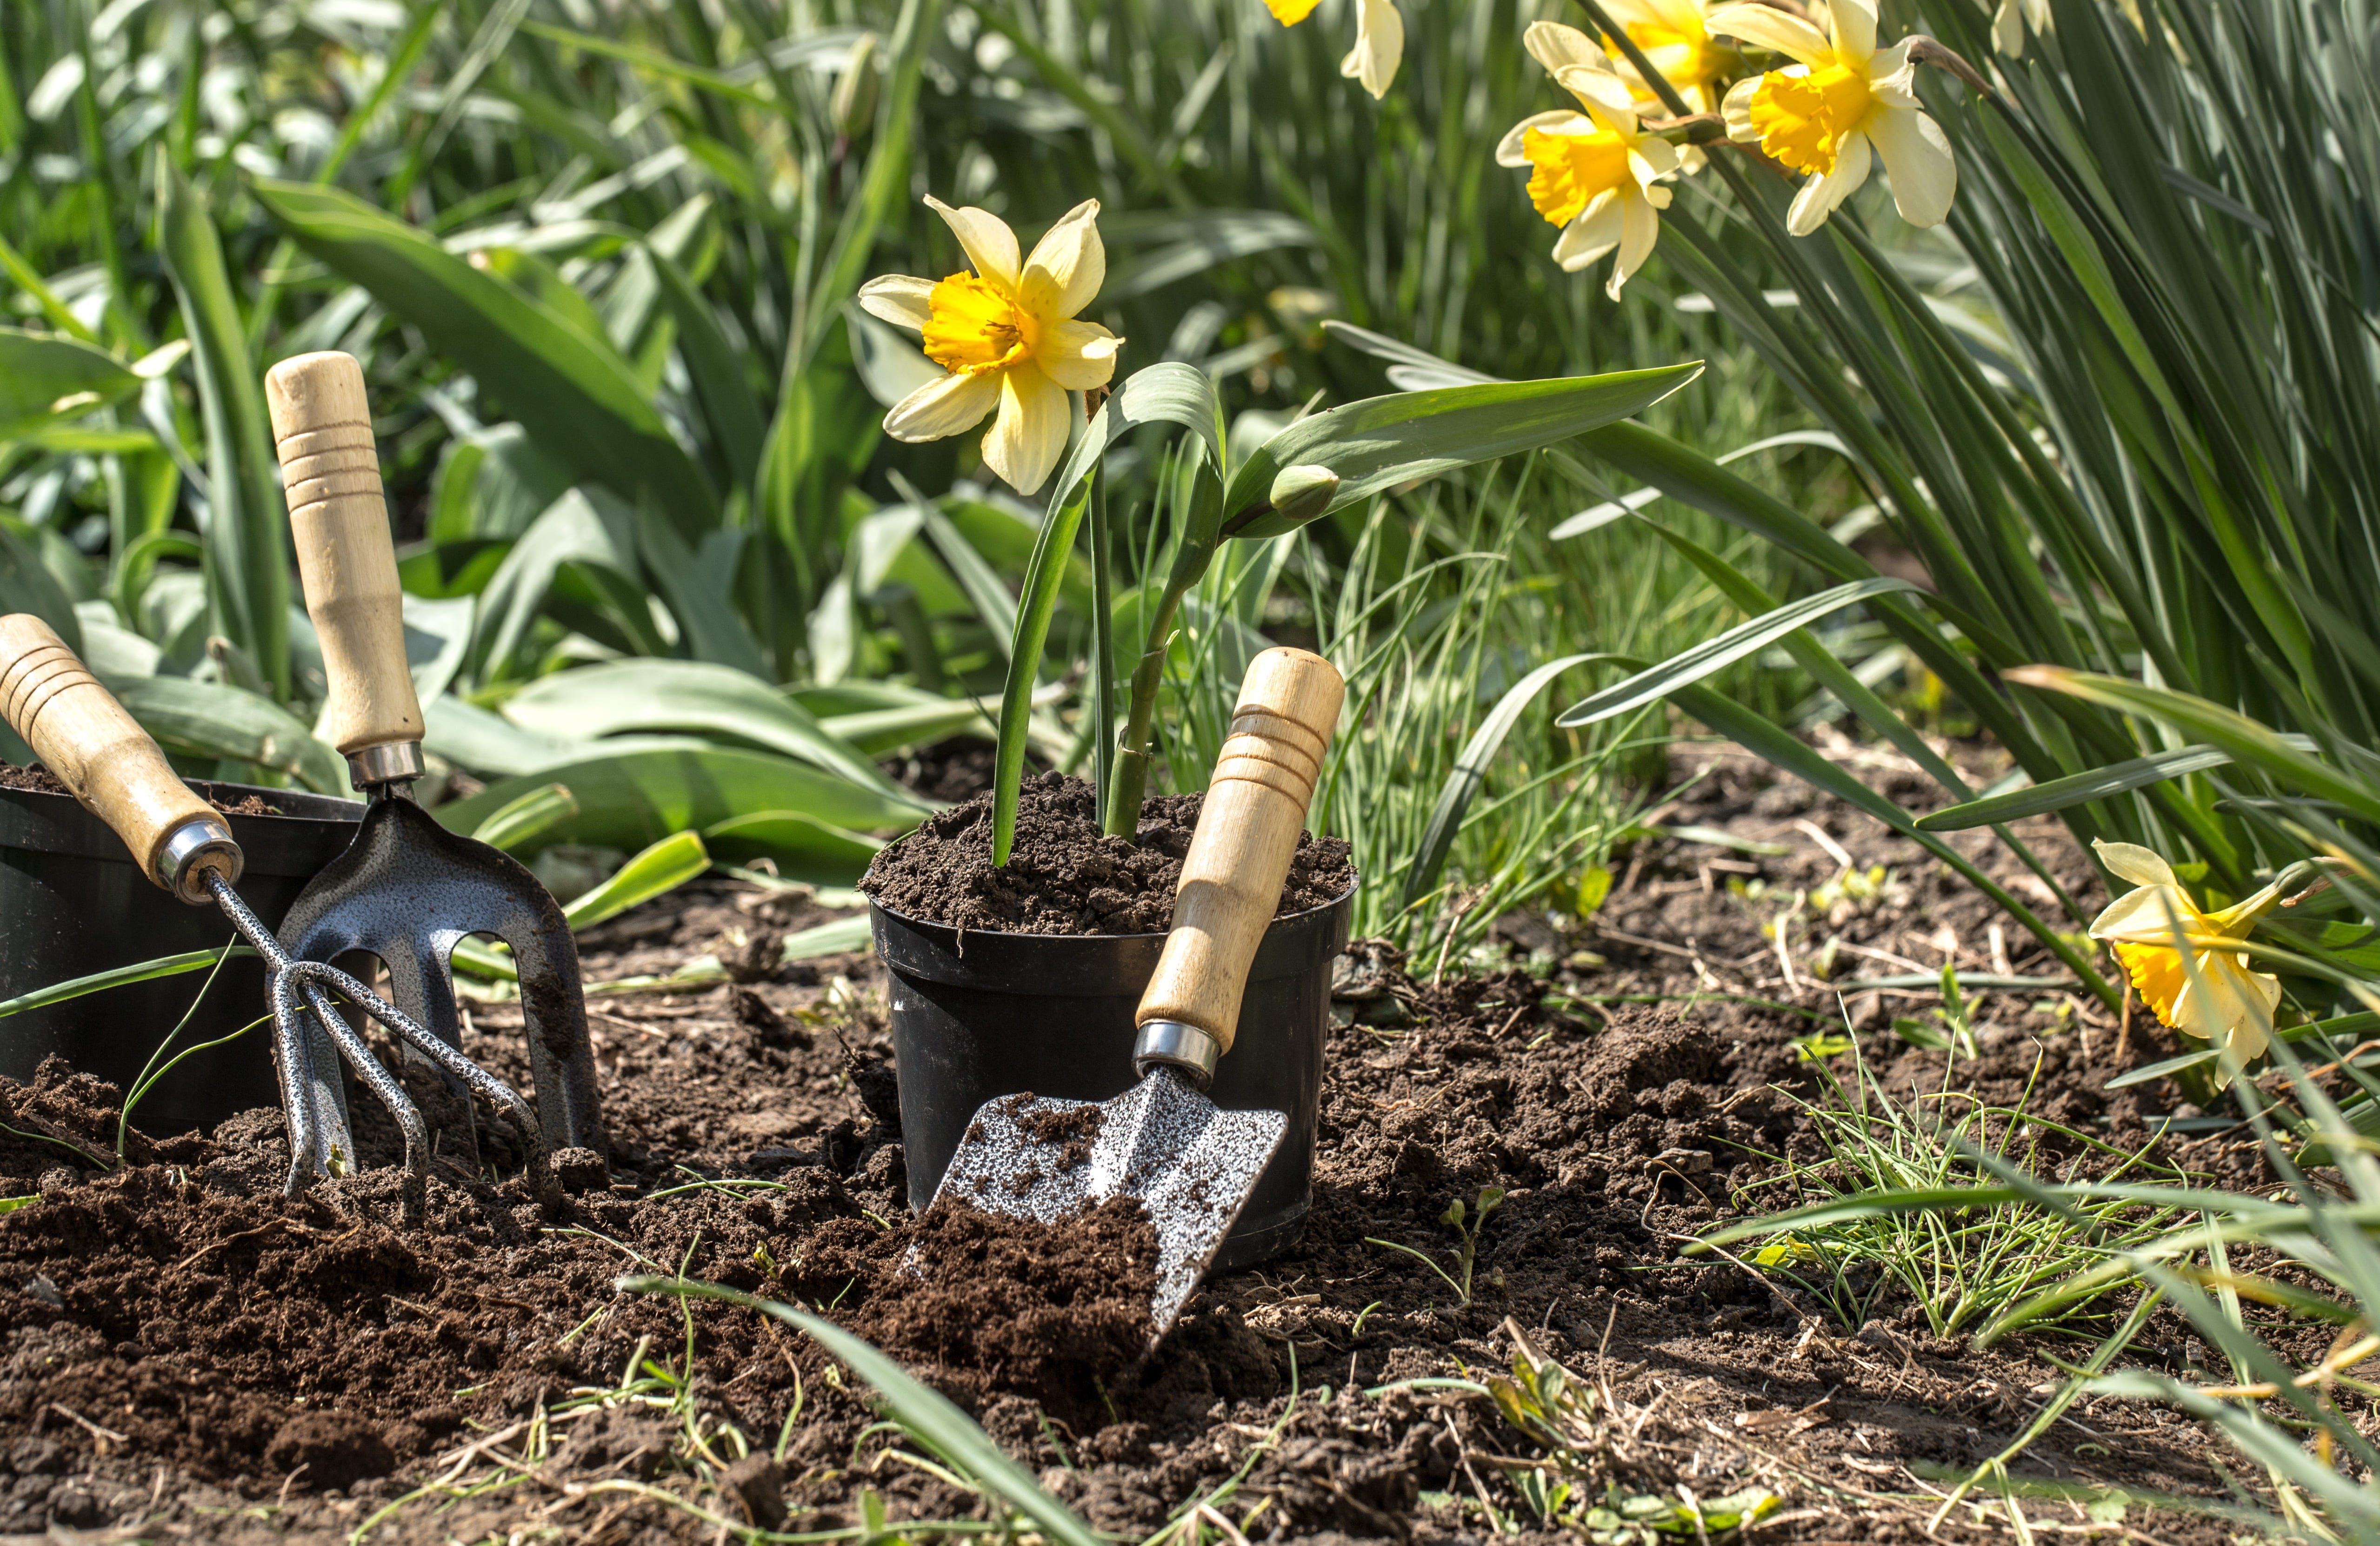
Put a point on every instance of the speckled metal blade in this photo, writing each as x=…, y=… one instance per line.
x=1190, y=1163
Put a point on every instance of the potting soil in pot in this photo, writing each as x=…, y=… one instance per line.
x=1064, y=876
x=40, y=781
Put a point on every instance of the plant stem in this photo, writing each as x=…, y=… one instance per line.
x=1103, y=684
x=1131, y=772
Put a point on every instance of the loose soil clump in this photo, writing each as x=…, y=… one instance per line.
x=1063, y=875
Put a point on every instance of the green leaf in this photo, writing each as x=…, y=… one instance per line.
x=627, y=801
x=522, y=821
x=1689, y=666
x=801, y=846
x=663, y=867
x=27, y=585
x=924, y=1412
x=246, y=535
x=605, y=700
x=46, y=380
x=840, y=937
x=1381, y=442
x=117, y=977
x=1470, y=767
x=2062, y=794
x=208, y=719
x=2230, y=731
x=576, y=396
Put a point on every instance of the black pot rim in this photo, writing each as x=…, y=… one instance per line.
x=311, y=829
x=1280, y=919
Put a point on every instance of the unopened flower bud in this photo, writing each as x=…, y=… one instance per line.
x=853, y=104
x=1300, y=493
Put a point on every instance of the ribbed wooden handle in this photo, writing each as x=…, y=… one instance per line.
x=1247, y=830
x=82, y=734
x=339, y=520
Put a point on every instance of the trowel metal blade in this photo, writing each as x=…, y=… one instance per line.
x=1190, y=1163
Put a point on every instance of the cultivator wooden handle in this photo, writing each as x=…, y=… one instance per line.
x=339, y=520
x=1239, y=855
x=85, y=737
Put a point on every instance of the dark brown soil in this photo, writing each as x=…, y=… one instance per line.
x=183, y=1352
x=1063, y=876
x=40, y=781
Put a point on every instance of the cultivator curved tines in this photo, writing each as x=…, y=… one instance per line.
x=94, y=747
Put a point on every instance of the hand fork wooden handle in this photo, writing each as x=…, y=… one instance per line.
x=1238, y=860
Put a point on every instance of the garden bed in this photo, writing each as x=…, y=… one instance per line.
x=183, y=1351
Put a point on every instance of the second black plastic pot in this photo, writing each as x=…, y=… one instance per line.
x=73, y=902
x=991, y=1015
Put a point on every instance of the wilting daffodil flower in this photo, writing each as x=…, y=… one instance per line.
x=1007, y=335
x=1595, y=173
x=2213, y=997
x=1843, y=101
x=1380, y=39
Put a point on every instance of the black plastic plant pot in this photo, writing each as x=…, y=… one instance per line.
x=72, y=904
x=994, y=1015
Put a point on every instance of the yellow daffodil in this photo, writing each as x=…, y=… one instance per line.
x=1007, y=334
x=1677, y=40
x=1595, y=173
x=1380, y=39
x=1843, y=101
x=2213, y=997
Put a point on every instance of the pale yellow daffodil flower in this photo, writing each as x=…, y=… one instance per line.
x=1844, y=102
x=1008, y=335
x=2213, y=996
x=1595, y=174
x=1380, y=39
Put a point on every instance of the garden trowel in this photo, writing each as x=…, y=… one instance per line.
x=1190, y=1165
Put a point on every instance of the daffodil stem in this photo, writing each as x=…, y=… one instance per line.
x=1131, y=776
x=1104, y=682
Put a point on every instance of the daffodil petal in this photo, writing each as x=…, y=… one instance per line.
x=2246, y=910
x=1558, y=48
x=1853, y=27
x=1892, y=77
x=1510, y=151
x=989, y=245
x=1606, y=97
x=1640, y=228
x=1683, y=17
x=1820, y=196
x=1766, y=26
x=1598, y=230
x=1736, y=111
x=1078, y=356
x=2149, y=915
x=943, y=407
x=2008, y=29
x=899, y=298
x=2130, y=861
x=1289, y=13
x=1027, y=439
x=1917, y=158
x=1379, y=46
x=1068, y=266
x=1651, y=157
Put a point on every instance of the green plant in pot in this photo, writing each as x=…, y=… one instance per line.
x=1010, y=337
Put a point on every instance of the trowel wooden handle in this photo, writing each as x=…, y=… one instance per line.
x=85, y=737
x=1247, y=830
x=339, y=520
